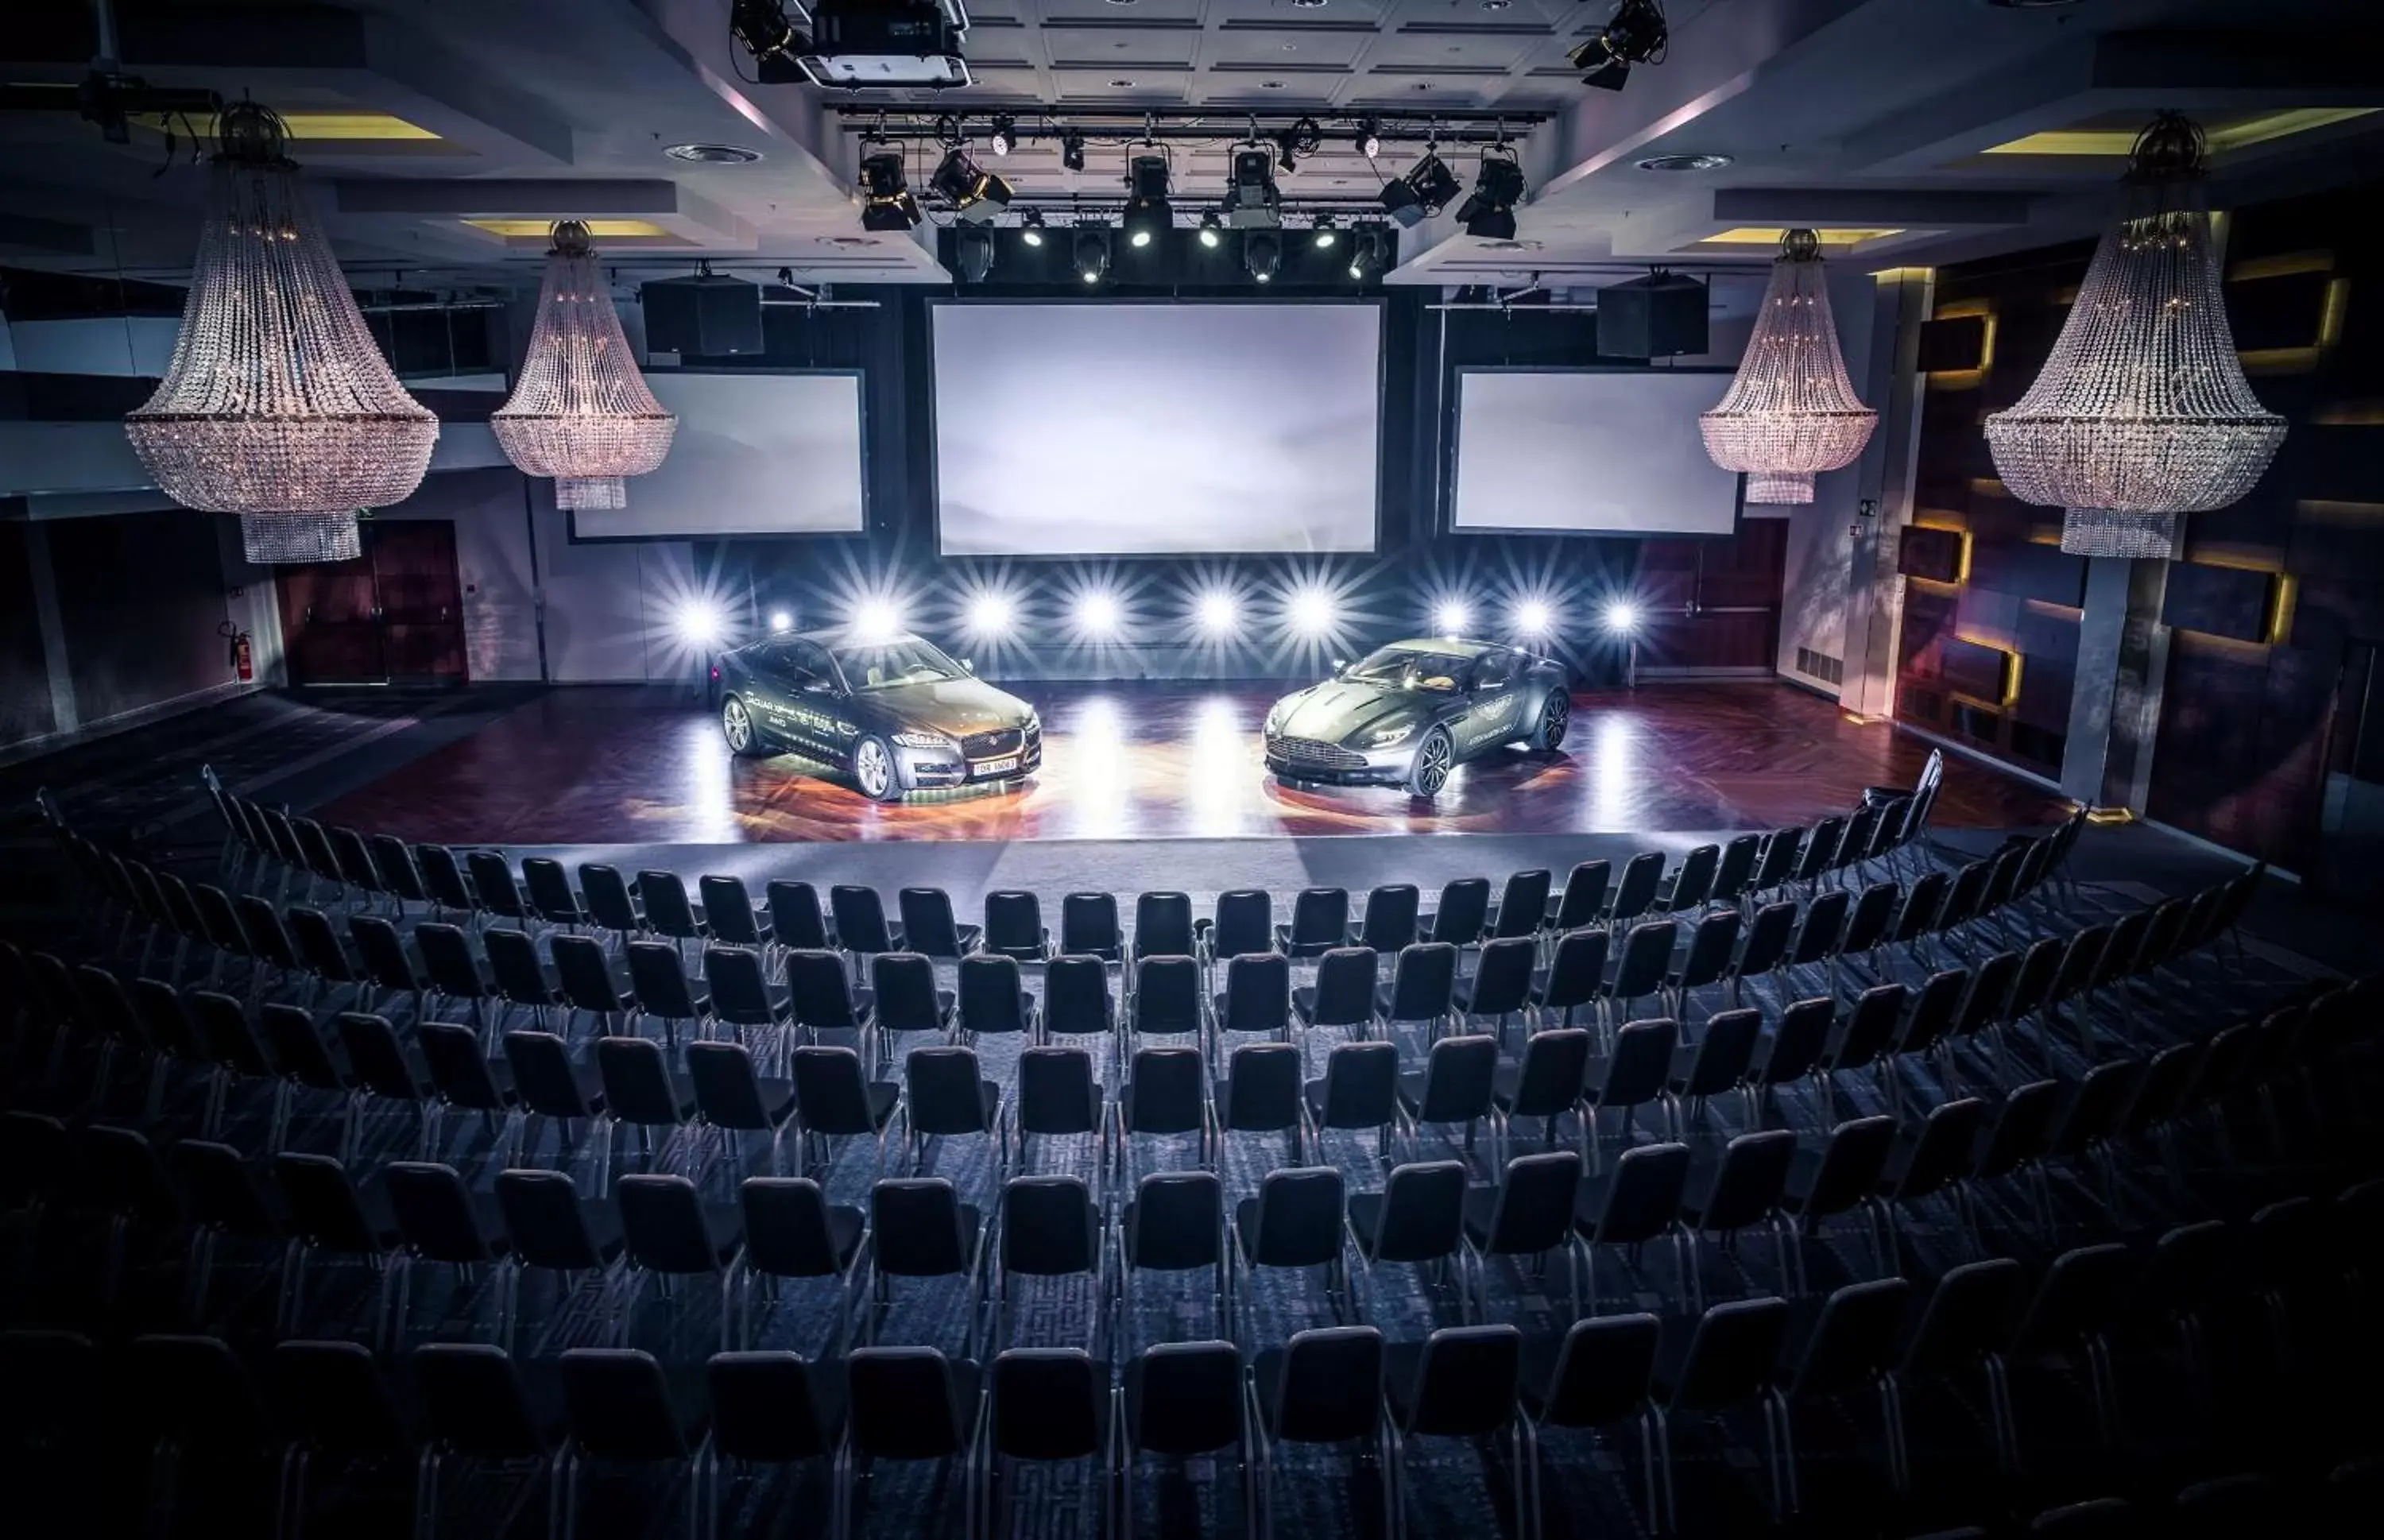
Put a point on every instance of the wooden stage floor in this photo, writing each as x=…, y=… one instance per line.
x=628, y=765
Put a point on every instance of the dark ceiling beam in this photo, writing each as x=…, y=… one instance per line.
x=54, y=236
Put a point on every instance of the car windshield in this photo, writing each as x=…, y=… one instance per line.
x=885, y=666
x=1410, y=668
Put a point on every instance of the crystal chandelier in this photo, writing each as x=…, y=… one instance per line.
x=2143, y=412
x=277, y=401
x=1791, y=413
x=581, y=411
x=270, y=539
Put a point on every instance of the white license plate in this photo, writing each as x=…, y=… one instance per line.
x=994, y=766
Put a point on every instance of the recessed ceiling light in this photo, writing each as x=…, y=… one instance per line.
x=714, y=155
x=852, y=241
x=1272, y=85
x=1421, y=85
x=1122, y=84
x=1306, y=5
x=1121, y=2
x=1683, y=162
x=1495, y=4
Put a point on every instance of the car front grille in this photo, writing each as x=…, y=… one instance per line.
x=1002, y=740
x=1320, y=756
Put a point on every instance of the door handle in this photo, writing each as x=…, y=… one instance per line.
x=309, y=615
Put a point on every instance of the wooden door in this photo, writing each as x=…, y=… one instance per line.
x=330, y=625
x=421, y=599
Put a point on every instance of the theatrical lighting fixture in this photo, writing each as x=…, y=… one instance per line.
x=1252, y=200
x=1030, y=227
x=1324, y=234
x=885, y=45
x=1262, y=254
x=581, y=411
x=1533, y=618
x=977, y=195
x=974, y=246
x=1368, y=250
x=1098, y=615
x=781, y=621
x=2141, y=413
x=1451, y=616
x=886, y=200
x=1428, y=187
x=990, y=615
x=1092, y=251
x=1297, y=143
x=1622, y=617
x=1311, y=611
x=1791, y=411
x=1211, y=228
x=1148, y=214
x=1005, y=128
x=1489, y=210
x=1369, y=142
x=875, y=620
x=698, y=623
x=277, y=404
x=1071, y=150
x=1634, y=34
x=1217, y=613
x=761, y=26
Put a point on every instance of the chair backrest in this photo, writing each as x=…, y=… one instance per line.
x=637, y=1078
x=1465, y=1382
x=1244, y=922
x=473, y=1403
x=795, y=917
x=1642, y=1195
x=1870, y=1028
x=1583, y=899
x=904, y=986
x=664, y=1228
x=1421, y=1217
x=1088, y=927
x=1854, y=1342
x=2083, y=1294
x=1328, y=1387
x=1076, y=996
x=542, y=1075
x=1643, y=875
x=1603, y=1371
x=739, y=992
x=1991, y=985
x=1923, y=902
x=905, y=1405
x=916, y=1224
x=1824, y=922
x=860, y=918
x=1548, y=1076
x=818, y=991
x=434, y=1212
x=513, y=962
x=728, y=1093
x=1768, y=935
x=992, y=996
x=492, y=882
x=1502, y=977
x=1640, y=1067
x=458, y=1074
x=1778, y=862
x=1711, y=946
x=1725, y=1050
x=1050, y=1226
x=1940, y=1153
x=2090, y=1113
x=729, y=911
x=1534, y=1210
x=1459, y=1076
x=1047, y=1403
x=1299, y=1217
x=1968, y=1316
x=668, y=912
x=1749, y=1182
x=192, y=1391
x=318, y=944
x=1693, y=883
x=1361, y=1086
x=550, y=890
x=1258, y=993
x=1647, y=957
x=267, y=938
x=790, y=1232
x=943, y=1087
x=394, y=863
x=1167, y=994
x=1874, y=911
x=1345, y=987
x=375, y=1057
x=765, y=1411
x=1175, y=1221
x=1797, y=1042
x=1821, y=849
x=1165, y=1091
x=298, y=1049
x=1730, y=1355
x=1013, y=924
x=1184, y=1398
x=1523, y=903
x=447, y=956
x=927, y=922
x=2022, y=1130
x=1735, y=868
x=584, y=973
x=1163, y=924
x=331, y=1398
x=545, y=1222
x=1934, y=1011
x=1577, y=972
x=1320, y=920
x=620, y=1406
x=1852, y=1162
x=217, y=1187
x=606, y=893
x=1057, y=1093
x=1389, y=923
x=831, y=1094
x=656, y=974
x=1261, y=1091
x=324, y=1208
x=122, y=1171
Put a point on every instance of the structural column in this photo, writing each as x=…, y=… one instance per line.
x=1874, y=590
x=2115, y=703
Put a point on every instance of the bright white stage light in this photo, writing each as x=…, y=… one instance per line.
x=990, y=615
x=1451, y=616
x=1533, y=618
x=1217, y=613
x=781, y=621
x=1311, y=611
x=1622, y=617
x=698, y=623
x=876, y=620
x=1098, y=615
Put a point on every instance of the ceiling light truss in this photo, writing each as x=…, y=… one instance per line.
x=1119, y=131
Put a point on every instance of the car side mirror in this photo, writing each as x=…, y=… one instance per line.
x=968, y=666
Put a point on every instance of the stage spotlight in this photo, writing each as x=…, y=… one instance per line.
x=698, y=623
x=1451, y=616
x=1428, y=187
x=1210, y=232
x=1148, y=214
x=1005, y=128
x=1311, y=611
x=1217, y=613
x=1030, y=228
x=990, y=615
x=1324, y=234
x=781, y=621
x=1369, y=142
x=1636, y=35
x=1092, y=249
x=1622, y=617
x=1098, y=615
x=886, y=202
x=1489, y=212
x=1262, y=254
x=1368, y=250
x=1071, y=150
x=973, y=249
x=1252, y=200
x=875, y=620
x=977, y=195
x=1533, y=618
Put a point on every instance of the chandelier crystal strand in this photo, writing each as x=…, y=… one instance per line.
x=2141, y=413
x=272, y=539
x=1792, y=411
x=277, y=401
x=581, y=411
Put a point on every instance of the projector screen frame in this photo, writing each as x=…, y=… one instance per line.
x=1447, y=523
x=860, y=377
x=1379, y=303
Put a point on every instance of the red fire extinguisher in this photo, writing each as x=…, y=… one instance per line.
x=243, y=661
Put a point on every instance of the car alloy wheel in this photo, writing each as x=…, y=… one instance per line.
x=737, y=726
x=1434, y=757
x=873, y=767
x=1554, y=718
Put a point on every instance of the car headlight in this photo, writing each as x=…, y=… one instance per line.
x=1274, y=719
x=926, y=741
x=1386, y=736
x=1034, y=727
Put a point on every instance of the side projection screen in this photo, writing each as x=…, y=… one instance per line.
x=1156, y=430
x=1590, y=451
x=756, y=453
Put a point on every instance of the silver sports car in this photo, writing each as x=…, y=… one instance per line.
x=1407, y=713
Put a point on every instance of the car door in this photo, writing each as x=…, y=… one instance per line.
x=1492, y=703
x=811, y=699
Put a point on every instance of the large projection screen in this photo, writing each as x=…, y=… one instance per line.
x=1594, y=451
x=756, y=453
x=1117, y=429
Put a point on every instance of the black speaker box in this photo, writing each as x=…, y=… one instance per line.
x=1661, y=316
x=703, y=317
